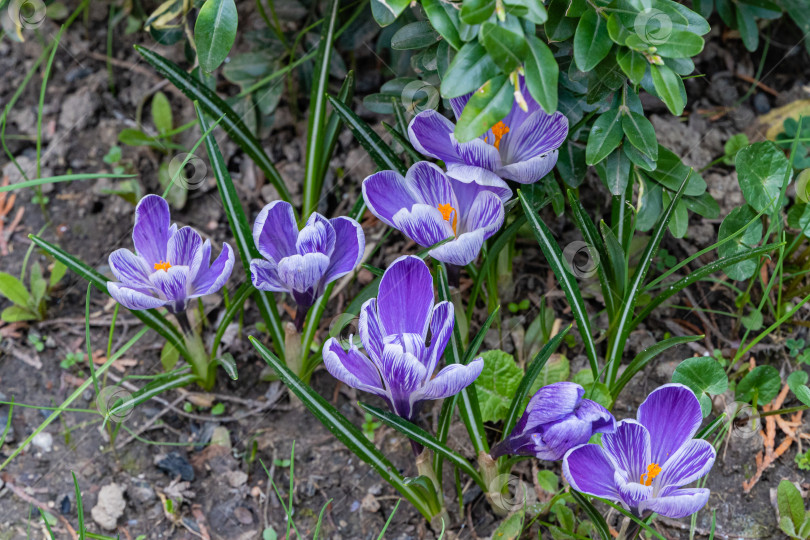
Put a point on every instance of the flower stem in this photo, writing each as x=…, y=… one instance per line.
x=424, y=467
x=495, y=483
x=300, y=318
x=453, y=275
x=200, y=360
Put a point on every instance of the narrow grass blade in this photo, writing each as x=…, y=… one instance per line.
x=415, y=433
x=215, y=106
x=155, y=388
x=150, y=317
x=79, y=506
x=591, y=236
x=317, y=114
x=526, y=383
x=237, y=303
x=624, y=318
x=242, y=232
x=334, y=125
x=468, y=399
x=594, y=515
x=643, y=358
x=554, y=256
x=381, y=153
x=699, y=274
x=63, y=178
x=344, y=430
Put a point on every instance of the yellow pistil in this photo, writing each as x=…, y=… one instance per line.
x=449, y=212
x=162, y=265
x=499, y=130
x=653, y=470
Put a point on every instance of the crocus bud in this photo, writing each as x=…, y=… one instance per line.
x=556, y=420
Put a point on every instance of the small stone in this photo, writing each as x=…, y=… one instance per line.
x=43, y=441
x=141, y=491
x=256, y=492
x=110, y=506
x=243, y=515
x=176, y=465
x=236, y=478
x=64, y=506
x=761, y=103
x=370, y=504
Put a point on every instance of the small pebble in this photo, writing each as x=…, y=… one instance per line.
x=110, y=506
x=243, y=515
x=761, y=103
x=43, y=441
x=236, y=478
x=176, y=465
x=64, y=506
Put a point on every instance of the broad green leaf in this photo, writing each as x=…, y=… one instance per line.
x=227, y=363
x=169, y=356
x=386, y=11
x=215, y=32
x=57, y=273
x=38, y=286
x=13, y=289
x=531, y=10
x=444, y=20
x=799, y=218
x=679, y=222
x=18, y=313
x=650, y=203
x=558, y=27
x=762, y=383
x=542, y=74
x=733, y=222
x=753, y=321
x=671, y=172
x=790, y=503
x=548, y=481
x=415, y=35
x=506, y=48
x=680, y=44
x=797, y=381
x=705, y=205
x=592, y=42
x=468, y=71
x=643, y=358
x=668, y=86
x=641, y=134
x=704, y=376
x=615, y=172
x=605, y=136
x=476, y=11
x=485, y=108
x=595, y=391
x=557, y=369
x=162, y=113
x=496, y=385
x=511, y=527
x=762, y=168
x=633, y=64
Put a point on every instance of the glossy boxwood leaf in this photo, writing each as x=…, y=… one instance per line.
x=444, y=20
x=704, y=376
x=671, y=172
x=558, y=27
x=485, y=108
x=542, y=74
x=386, y=11
x=415, y=35
x=668, y=87
x=615, y=172
x=641, y=134
x=506, y=48
x=617, y=31
x=476, y=11
x=215, y=32
x=468, y=71
x=638, y=159
x=733, y=222
x=679, y=223
x=604, y=80
x=762, y=168
x=650, y=203
x=606, y=134
x=592, y=42
x=633, y=64
x=531, y=10
x=705, y=205
x=680, y=44
x=571, y=163
x=762, y=383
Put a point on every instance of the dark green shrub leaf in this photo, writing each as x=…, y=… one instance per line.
x=476, y=11
x=542, y=74
x=415, y=35
x=506, y=48
x=669, y=87
x=215, y=32
x=485, y=108
x=592, y=42
x=605, y=136
x=468, y=71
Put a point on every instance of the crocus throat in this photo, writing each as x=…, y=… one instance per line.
x=498, y=131
x=162, y=265
x=653, y=470
x=449, y=212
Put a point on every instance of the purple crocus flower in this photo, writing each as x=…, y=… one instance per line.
x=521, y=147
x=429, y=206
x=398, y=366
x=646, y=462
x=172, y=265
x=556, y=420
x=303, y=262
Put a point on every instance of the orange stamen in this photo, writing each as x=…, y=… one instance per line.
x=498, y=130
x=448, y=212
x=653, y=470
x=162, y=265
